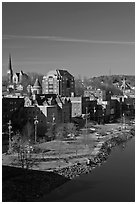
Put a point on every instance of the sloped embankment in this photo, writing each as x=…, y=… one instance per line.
x=98, y=156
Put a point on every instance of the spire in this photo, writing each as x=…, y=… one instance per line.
x=10, y=65
x=37, y=83
x=37, y=87
x=10, y=71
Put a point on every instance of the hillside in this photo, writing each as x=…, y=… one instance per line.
x=102, y=82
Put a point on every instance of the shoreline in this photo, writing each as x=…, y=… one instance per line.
x=89, y=155
x=96, y=158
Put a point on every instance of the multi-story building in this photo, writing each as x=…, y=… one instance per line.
x=9, y=106
x=59, y=82
x=76, y=106
x=79, y=105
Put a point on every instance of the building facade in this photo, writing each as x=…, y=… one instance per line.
x=52, y=106
x=9, y=106
x=97, y=94
x=59, y=82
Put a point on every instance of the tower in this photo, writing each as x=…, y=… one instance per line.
x=10, y=71
x=37, y=89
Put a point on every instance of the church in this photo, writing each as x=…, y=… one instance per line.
x=15, y=79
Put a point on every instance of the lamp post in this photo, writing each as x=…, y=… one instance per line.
x=124, y=123
x=53, y=119
x=94, y=112
x=9, y=127
x=103, y=116
x=35, y=123
x=53, y=126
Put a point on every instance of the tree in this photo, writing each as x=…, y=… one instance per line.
x=72, y=133
x=28, y=131
x=71, y=130
x=51, y=132
x=61, y=133
x=22, y=143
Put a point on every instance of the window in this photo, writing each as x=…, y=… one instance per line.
x=50, y=82
x=68, y=84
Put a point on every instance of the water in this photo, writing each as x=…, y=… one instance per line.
x=114, y=181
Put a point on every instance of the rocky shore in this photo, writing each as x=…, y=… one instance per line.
x=96, y=158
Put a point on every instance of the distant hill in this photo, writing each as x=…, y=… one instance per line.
x=129, y=78
x=103, y=82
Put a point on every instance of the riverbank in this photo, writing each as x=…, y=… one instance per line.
x=71, y=163
x=114, y=181
x=54, y=155
x=97, y=157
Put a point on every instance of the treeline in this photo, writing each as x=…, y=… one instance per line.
x=102, y=82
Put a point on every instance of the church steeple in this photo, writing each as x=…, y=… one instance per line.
x=10, y=71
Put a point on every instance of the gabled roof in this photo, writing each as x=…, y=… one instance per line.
x=17, y=74
x=64, y=72
x=59, y=100
x=45, y=103
x=59, y=73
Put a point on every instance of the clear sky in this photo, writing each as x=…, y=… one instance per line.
x=88, y=39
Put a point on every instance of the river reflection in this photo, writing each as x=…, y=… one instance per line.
x=114, y=181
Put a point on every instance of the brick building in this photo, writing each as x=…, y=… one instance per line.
x=9, y=106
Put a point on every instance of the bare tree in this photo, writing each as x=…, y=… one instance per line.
x=22, y=143
x=61, y=133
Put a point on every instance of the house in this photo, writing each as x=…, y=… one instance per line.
x=97, y=94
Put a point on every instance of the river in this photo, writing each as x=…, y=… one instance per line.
x=113, y=181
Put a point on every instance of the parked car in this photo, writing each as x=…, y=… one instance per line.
x=97, y=134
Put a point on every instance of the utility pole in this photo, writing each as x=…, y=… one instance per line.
x=36, y=123
x=9, y=127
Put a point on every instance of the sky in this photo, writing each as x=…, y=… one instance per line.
x=88, y=39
